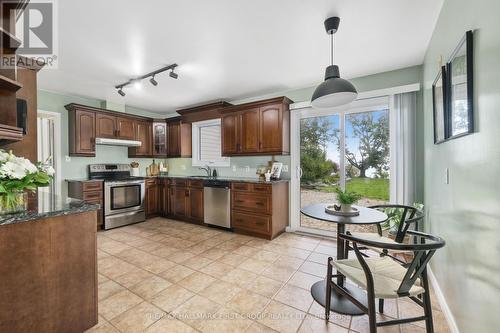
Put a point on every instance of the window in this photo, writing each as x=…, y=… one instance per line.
x=207, y=144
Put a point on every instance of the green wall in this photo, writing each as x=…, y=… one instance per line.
x=466, y=212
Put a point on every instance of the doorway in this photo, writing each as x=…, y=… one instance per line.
x=49, y=147
x=346, y=147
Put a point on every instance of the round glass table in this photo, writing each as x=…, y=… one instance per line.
x=339, y=303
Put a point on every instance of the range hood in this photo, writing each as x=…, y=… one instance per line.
x=117, y=142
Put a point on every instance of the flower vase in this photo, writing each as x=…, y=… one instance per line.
x=14, y=202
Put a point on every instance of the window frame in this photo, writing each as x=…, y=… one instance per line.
x=196, y=153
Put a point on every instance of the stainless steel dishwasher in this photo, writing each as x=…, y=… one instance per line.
x=217, y=203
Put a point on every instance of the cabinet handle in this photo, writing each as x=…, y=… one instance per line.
x=259, y=223
x=239, y=201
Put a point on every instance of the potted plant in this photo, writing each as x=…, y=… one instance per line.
x=17, y=176
x=346, y=199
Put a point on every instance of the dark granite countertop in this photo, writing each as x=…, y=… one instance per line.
x=49, y=206
x=230, y=179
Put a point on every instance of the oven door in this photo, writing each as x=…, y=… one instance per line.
x=122, y=197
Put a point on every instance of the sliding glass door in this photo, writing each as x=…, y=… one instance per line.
x=347, y=148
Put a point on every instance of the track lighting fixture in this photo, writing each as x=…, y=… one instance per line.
x=153, y=81
x=137, y=82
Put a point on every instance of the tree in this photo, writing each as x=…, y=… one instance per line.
x=373, y=147
x=315, y=134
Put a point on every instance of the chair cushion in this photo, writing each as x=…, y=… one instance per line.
x=387, y=275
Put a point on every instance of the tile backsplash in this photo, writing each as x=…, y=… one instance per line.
x=240, y=167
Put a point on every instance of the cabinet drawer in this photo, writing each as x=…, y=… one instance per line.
x=253, y=202
x=92, y=186
x=196, y=183
x=262, y=188
x=241, y=187
x=93, y=195
x=179, y=182
x=250, y=222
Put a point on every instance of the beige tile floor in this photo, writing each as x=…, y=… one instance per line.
x=169, y=276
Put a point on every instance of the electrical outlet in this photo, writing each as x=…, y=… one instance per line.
x=234, y=168
x=446, y=176
x=67, y=158
x=285, y=168
x=247, y=169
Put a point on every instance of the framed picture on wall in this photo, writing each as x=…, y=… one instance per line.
x=460, y=89
x=276, y=170
x=439, y=106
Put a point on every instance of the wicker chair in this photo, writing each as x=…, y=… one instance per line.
x=383, y=277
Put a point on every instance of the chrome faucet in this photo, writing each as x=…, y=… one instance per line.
x=207, y=169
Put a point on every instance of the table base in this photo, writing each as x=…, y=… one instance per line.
x=339, y=303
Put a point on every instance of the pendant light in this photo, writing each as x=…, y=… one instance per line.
x=334, y=91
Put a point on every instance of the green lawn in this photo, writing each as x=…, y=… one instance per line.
x=373, y=188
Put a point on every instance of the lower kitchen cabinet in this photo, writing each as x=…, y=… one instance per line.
x=91, y=191
x=151, y=200
x=259, y=210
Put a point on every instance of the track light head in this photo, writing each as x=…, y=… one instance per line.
x=121, y=92
x=153, y=81
x=173, y=75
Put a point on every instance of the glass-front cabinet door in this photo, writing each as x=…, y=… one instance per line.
x=160, y=139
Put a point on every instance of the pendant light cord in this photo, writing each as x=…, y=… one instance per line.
x=332, y=50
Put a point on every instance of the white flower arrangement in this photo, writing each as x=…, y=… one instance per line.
x=18, y=174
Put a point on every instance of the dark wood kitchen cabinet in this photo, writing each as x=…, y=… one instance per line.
x=87, y=123
x=249, y=127
x=143, y=133
x=91, y=191
x=152, y=197
x=259, y=210
x=125, y=128
x=164, y=204
x=178, y=138
x=184, y=199
x=257, y=128
x=82, y=132
x=159, y=139
x=105, y=126
x=113, y=127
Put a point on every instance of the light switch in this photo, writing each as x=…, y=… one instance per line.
x=446, y=176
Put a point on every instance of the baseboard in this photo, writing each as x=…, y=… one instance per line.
x=442, y=302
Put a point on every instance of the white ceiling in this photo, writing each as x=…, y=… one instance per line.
x=228, y=49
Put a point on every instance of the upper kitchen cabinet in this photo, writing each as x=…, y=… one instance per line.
x=159, y=138
x=81, y=131
x=178, y=138
x=112, y=127
x=257, y=128
x=87, y=123
x=143, y=133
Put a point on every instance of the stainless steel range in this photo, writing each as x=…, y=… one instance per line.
x=123, y=194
